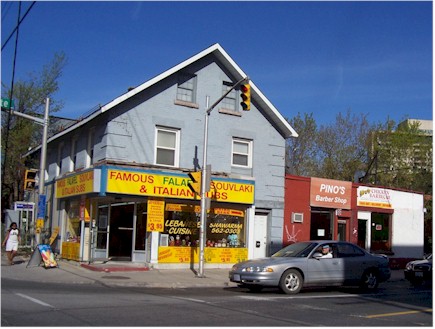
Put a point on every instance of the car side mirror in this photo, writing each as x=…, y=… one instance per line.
x=317, y=255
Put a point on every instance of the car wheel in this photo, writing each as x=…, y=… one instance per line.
x=369, y=280
x=291, y=282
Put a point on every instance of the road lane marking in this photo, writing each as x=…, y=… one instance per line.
x=37, y=301
x=428, y=310
x=192, y=299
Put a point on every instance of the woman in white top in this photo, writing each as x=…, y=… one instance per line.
x=11, y=241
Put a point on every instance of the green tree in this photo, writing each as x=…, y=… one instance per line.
x=402, y=157
x=19, y=134
x=336, y=151
x=343, y=146
x=301, y=151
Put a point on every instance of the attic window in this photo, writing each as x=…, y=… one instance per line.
x=186, y=90
x=229, y=102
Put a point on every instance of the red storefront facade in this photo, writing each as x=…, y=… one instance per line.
x=379, y=219
x=318, y=209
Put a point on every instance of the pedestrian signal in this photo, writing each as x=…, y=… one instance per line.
x=30, y=179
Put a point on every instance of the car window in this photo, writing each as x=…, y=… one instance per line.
x=299, y=249
x=348, y=250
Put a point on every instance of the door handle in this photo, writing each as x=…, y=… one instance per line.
x=125, y=228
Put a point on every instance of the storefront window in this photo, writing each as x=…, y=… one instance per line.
x=225, y=227
x=182, y=227
x=73, y=227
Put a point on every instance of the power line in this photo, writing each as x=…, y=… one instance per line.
x=18, y=24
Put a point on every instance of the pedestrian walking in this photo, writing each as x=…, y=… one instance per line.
x=11, y=241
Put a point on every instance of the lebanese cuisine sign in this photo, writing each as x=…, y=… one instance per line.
x=329, y=193
x=373, y=197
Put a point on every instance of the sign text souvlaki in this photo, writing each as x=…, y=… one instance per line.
x=178, y=182
x=77, y=184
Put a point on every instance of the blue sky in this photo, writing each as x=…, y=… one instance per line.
x=373, y=58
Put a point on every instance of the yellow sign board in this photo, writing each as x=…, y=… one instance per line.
x=156, y=215
x=39, y=223
x=211, y=255
x=75, y=185
x=170, y=185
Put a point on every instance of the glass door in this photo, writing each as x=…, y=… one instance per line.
x=101, y=232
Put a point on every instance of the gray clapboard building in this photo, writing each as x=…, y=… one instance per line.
x=117, y=180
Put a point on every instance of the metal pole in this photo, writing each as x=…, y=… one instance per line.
x=202, y=229
x=43, y=160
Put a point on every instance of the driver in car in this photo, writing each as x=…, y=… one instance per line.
x=326, y=252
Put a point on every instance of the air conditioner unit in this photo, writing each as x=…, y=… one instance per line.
x=297, y=217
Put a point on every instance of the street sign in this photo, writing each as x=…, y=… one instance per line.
x=41, y=206
x=7, y=103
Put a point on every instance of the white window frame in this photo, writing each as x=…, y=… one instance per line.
x=73, y=156
x=59, y=158
x=90, y=148
x=176, y=149
x=249, y=143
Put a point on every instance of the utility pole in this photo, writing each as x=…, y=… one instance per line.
x=204, y=175
x=41, y=196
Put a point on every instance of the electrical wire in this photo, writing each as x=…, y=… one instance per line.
x=18, y=24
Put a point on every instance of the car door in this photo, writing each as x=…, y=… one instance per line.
x=354, y=260
x=325, y=270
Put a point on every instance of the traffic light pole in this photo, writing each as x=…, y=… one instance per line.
x=202, y=229
x=44, y=123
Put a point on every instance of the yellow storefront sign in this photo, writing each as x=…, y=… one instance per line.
x=75, y=185
x=156, y=215
x=211, y=255
x=176, y=186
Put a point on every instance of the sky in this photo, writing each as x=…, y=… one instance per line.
x=315, y=57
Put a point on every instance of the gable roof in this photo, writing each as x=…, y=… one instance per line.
x=283, y=126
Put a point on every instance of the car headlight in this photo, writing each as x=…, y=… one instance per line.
x=409, y=266
x=257, y=269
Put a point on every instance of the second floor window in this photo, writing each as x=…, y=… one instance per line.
x=59, y=159
x=74, y=154
x=167, y=146
x=229, y=102
x=242, y=153
x=91, y=141
x=186, y=88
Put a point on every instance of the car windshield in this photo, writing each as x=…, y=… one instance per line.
x=300, y=249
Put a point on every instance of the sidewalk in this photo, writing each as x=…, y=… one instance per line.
x=123, y=274
x=114, y=274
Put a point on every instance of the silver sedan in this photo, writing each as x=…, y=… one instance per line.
x=310, y=263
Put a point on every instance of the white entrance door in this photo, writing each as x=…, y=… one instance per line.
x=260, y=236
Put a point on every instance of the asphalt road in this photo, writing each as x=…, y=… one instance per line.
x=396, y=304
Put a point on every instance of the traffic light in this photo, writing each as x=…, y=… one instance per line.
x=195, y=183
x=246, y=96
x=30, y=179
